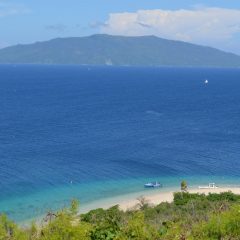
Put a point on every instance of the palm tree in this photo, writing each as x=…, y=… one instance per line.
x=184, y=186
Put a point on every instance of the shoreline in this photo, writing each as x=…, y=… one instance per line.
x=129, y=201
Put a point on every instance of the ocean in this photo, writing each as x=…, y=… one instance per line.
x=93, y=133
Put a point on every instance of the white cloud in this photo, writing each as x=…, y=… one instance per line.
x=209, y=26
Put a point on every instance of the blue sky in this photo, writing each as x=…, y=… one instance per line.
x=215, y=23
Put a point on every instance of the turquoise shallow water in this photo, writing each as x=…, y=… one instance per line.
x=35, y=205
x=109, y=130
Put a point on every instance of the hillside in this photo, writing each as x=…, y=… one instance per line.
x=188, y=217
x=118, y=51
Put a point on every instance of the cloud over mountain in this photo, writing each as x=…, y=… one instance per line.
x=208, y=26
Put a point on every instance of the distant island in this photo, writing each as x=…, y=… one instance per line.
x=104, y=49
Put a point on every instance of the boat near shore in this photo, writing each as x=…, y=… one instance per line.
x=153, y=185
x=209, y=186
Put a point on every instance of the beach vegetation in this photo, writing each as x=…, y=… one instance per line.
x=9, y=230
x=188, y=217
x=143, y=203
x=184, y=186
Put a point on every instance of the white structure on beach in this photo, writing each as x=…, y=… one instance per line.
x=209, y=186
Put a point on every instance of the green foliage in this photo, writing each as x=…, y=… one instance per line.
x=225, y=225
x=138, y=229
x=106, y=223
x=66, y=226
x=227, y=196
x=9, y=230
x=63, y=227
x=74, y=207
x=142, y=203
x=182, y=198
x=184, y=186
x=189, y=217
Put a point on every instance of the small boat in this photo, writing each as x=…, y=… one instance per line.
x=153, y=185
x=209, y=186
x=206, y=81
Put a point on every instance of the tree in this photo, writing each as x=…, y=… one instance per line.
x=65, y=226
x=184, y=186
x=74, y=207
x=10, y=231
x=143, y=203
x=137, y=228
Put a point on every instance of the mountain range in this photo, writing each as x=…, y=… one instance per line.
x=104, y=49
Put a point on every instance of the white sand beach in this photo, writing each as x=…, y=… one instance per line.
x=157, y=198
x=130, y=201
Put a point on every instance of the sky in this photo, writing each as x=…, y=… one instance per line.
x=214, y=23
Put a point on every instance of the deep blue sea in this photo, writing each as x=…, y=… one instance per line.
x=97, y=132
